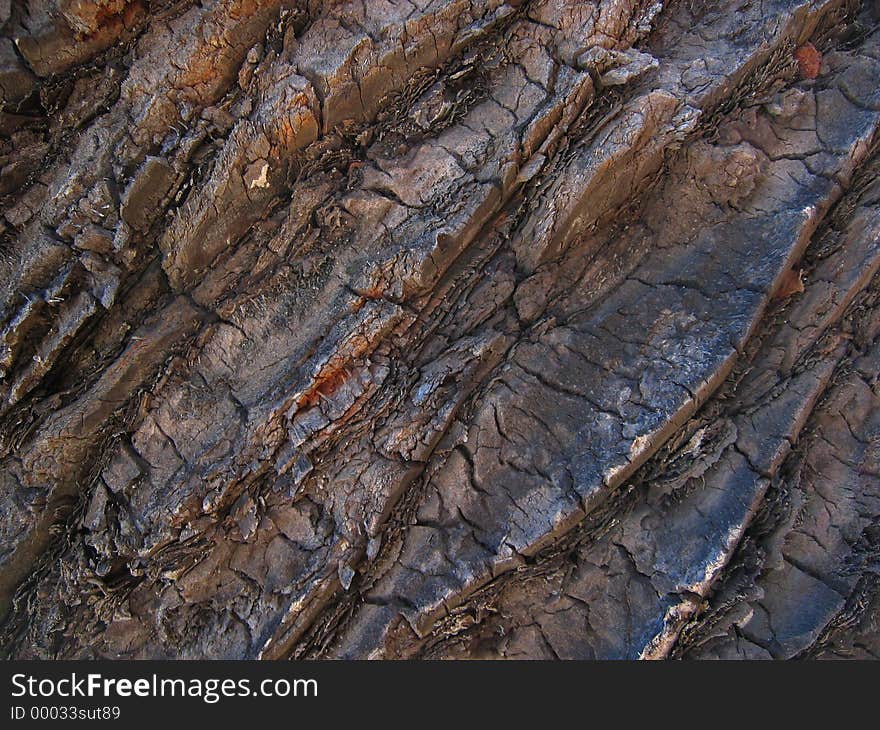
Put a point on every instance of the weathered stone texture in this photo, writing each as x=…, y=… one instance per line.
x=524, y=329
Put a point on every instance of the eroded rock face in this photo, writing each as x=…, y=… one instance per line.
x=524, y=329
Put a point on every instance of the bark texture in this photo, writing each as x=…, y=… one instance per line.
x=440, y=328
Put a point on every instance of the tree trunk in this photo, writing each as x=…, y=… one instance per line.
x=439, y=328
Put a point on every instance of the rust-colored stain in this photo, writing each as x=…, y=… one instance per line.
x=107, y=20
x=809, y=61
x=335, y=373
x=325, y=384
x=369, y=295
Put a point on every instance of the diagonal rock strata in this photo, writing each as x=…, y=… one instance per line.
x=377, y=329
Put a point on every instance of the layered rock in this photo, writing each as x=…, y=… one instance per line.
x=497, y=329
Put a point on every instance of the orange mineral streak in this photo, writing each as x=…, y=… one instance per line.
x=333, y=375
x=375, y=292
x=325, y=385
x=108, y=22
x=809, y=61
x=218, y=55
x=300, y=127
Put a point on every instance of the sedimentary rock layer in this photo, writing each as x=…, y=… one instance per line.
x=528, y=329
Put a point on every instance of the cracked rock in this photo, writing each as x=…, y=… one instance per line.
x=443, y=329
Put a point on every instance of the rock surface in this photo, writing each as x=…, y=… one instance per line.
x=440, y=329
